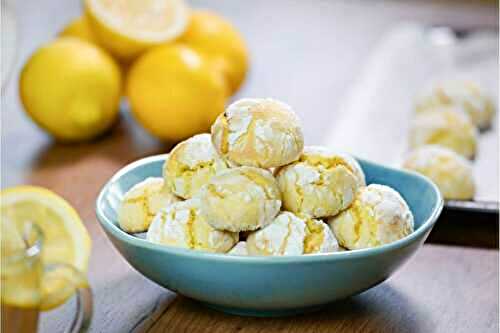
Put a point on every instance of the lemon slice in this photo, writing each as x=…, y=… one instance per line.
x=128, y=27
x=65, y=241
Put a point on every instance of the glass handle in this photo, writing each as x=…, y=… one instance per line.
x=60, y=282
x=83, y=316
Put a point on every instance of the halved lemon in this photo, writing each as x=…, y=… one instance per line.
x=128, y=27
x=65, y=240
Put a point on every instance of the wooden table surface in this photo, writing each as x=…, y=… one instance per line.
x=306, y=54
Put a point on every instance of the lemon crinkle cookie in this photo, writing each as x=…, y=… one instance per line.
x=289, y=234
x=467, y=95
x=444, y=127
x=192, y=163
x=258, y=132
x=142, y=202
x=320, y=184
x=284, y=236
x=451, y=172
x=239, y=199
x=182, y=225
x=319, y=238
x=378, y=215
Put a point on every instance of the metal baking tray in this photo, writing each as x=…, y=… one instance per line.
x=373, y=120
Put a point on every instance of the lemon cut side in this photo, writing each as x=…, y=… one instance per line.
x=65, y=241
x=128, y=27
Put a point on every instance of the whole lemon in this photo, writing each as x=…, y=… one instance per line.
x=217, y=39
x=71, y=88
x=80, y=28
x=174, y=93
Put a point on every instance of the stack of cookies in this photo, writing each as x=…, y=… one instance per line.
x=250, y=187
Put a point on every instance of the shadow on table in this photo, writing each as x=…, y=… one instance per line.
x=123, y=143
x=77, y=172
x=382, y=309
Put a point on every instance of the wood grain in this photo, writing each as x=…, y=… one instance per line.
x=442, y=289
x=308, y=55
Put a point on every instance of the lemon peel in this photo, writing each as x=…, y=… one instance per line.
x=161, y=86
x=85, y=103
x=79, y=28
x=222, y=45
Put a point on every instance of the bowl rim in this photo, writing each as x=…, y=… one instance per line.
x=134, y=241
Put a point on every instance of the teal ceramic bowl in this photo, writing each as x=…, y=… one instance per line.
x=269, y=286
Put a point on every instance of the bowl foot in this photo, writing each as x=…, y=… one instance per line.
x=262, y=313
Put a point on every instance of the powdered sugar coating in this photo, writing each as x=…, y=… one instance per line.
x=451, y=172
x=319, y=238
x=388, y=205
x=446, y=127
x=320, y=184
x=284, y=236
x=142, y=202
x=258, y=132
x=466, y=95
x=240, y=199
x=171, y=228
x=378, y=215
x=181, y=225
x=191, y=164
